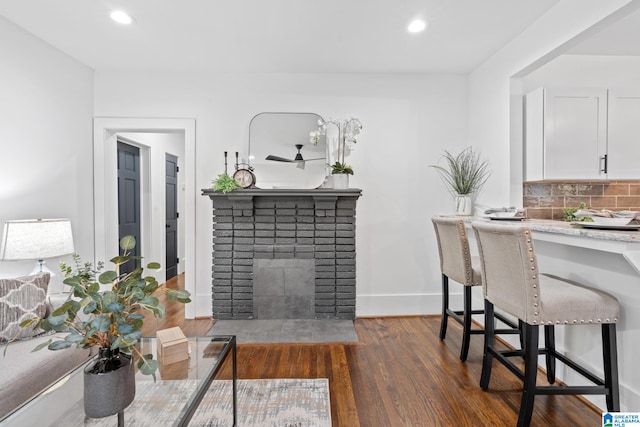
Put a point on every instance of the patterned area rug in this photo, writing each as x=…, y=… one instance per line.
x=261, y=403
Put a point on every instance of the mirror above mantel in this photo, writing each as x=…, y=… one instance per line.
x=281, y=153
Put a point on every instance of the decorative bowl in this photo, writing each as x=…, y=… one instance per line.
x=610, y=221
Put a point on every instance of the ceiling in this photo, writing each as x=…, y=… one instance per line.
x=290, y=36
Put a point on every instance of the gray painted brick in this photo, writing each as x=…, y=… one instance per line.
x=305, y=220
x=326, y=261
x=345, y=212
x=304, y=248
x=220, y=203
x=324, y=241
x=224, y=226
x=242, y=268
x=305, y=240
x=305, y=212
x=242, y=254
x=242, y=276
x=263, y=248
x=243, y=248
x=243, y=226
x=324, y=233
x=223, y=219
x=263, y=255
x=325, y=255
x=325, y=248
x=283, y=255
x=284, y=248
x=325, y=275
x=265, y=233
x=264, y=240
x=346, y=261
x=264, y=226
x=350, y=241
x=286, y=203
x=262, y=211
x=323, y=282
x=217, y=247
x=221, y=282
x=237, y=204
x=222, y=254
x=345, y=220
x=326, y=228
x=320, y=212
x=325, y=268
x=243, y=240
x=221, y=268
x=285, y=233
x=346, y=248
x=304, y=233
x=285, y=212
x=325, y=302
x=285, y=240
x=304, y=255
x=285, y=226
x=345, y=227
x=285, y=219
x=242, y=262
x=221, y=275
x=346, y=203
x=265, y=202
x=222, y=233
x=224, y=240
x=243, y=233
x=345, y=268
x=265, y=219
x=325, y=204
x=344, y=234
x=305, y=203
x=225, y=261
x=345, y=254
x=326, y=220
x=305, y=227
x=242, y=219
x=223, y=212
x=243, y=283
x=346, y=282
x=247, y=212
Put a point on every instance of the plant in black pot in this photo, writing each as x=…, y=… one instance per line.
x=105, y=310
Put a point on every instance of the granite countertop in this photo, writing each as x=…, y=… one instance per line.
x=566, y=228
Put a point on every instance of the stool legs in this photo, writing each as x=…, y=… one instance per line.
x=610, y=357
x=550, y=344
x=487, y=356
x=530, y=374
x=466, y=324
x=445, y=307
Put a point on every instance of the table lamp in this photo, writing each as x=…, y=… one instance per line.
x=37, y=239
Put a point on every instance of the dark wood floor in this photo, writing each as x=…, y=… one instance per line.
x=398, y=374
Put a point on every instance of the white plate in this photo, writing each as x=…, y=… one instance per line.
x=506, y=218
x=606, y=227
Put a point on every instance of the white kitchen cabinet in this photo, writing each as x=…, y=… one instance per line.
x=575, y=133
x=623, y=151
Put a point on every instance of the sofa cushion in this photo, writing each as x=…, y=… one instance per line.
x=21, y=299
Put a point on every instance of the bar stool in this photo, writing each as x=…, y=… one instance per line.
x=513, y=283
x=457, y=263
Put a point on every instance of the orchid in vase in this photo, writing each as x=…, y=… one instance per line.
x=347, y=132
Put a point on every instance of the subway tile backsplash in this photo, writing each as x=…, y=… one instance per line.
x=547, y=199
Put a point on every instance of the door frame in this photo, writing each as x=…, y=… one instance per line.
x=105, y=130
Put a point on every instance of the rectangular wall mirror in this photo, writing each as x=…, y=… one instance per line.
x=282, y=154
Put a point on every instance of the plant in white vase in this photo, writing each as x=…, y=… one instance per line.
x=465, y=175
x=347, y=130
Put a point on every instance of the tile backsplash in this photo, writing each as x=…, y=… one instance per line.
x=547, y=199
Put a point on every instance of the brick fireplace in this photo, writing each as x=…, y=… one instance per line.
x=284, y=254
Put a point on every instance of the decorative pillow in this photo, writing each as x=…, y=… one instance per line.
x=22, y=298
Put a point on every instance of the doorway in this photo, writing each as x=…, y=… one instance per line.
x=106, y=132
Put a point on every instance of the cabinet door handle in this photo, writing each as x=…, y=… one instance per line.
x=604, y=159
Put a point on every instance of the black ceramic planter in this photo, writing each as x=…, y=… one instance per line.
x=109, y=384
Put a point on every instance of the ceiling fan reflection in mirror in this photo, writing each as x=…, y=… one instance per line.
x=297, y=159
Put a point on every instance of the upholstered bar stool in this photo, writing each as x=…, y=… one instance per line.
x=457, y=263
x=513, y=283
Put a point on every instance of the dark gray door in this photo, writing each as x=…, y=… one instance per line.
x=171, y=166
x=129, y=198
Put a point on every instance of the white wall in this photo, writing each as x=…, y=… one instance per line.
x=46, y=104
x=407, y=121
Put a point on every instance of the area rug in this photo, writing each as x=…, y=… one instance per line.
x=261, y=403
x=287, y=330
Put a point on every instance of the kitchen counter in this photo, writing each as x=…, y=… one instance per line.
x=623, y=242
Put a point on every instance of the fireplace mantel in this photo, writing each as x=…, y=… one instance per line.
x=313, y=227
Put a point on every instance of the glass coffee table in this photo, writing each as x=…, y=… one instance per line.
x=172, y=400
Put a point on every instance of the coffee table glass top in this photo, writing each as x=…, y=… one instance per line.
x=168, y=401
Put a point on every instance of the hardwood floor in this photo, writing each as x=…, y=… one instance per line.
x=398, y=374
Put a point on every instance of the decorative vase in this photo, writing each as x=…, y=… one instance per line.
x=340, y=180
x=109, y=383
x=464, y=205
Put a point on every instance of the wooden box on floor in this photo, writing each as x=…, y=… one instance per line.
x=172, y=346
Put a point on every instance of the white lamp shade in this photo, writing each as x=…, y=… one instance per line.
x=36, y=239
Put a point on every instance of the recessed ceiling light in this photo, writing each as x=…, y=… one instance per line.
x=417, y=26
x=121, y=17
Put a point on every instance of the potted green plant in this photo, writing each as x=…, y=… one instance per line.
x=340, y=175
x=465, y=175
x=111, y=320
x=225, y=183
